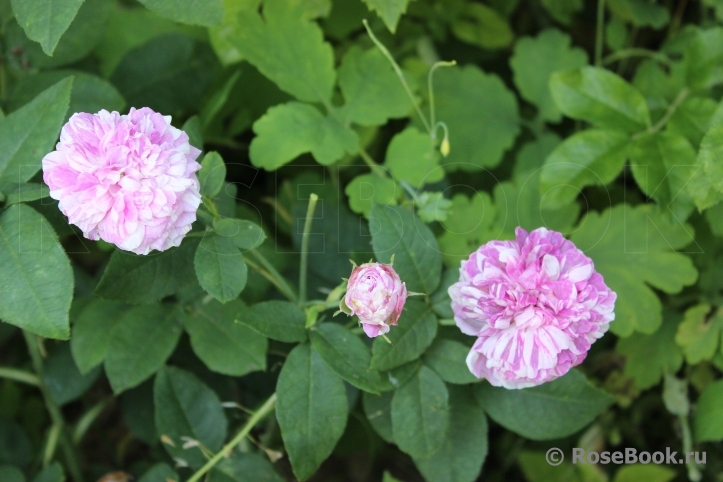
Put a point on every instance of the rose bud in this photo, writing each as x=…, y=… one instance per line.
x=376, y=295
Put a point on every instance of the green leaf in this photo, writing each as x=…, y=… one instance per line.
x=399, y=233
x=287, y=48
x=192, y=128
x=23, y=192
x=220, y=267
x=717, y=5
x=62, y=378
x=76, y=43
x=649, y=357
x=244, y=234
x=402, y=374
x=35, y=274
x=289, y=130
x=447, y=358
x=420, y=414
x=708, y=417
x=699, y=334
x=347, y=355
x=30, y=132
x=706, y=186
x=91, y=332
x=216, y=103
x=138, y=411
x=372, y=91
x=145, y=279
x=389, y=10
x=648, y=473
x=703, y=54
x=563, y=10
x=160, y=473
x=278, y=320
x=223, y=37
x=535, y=59
x=616, y=34
x=591, y=157
x=45, y=20
x=378, y=410
x=634, y=247
x=536, y=468
x=440, y=300
x=675, y=396
x=206, y=13
x=15, y=446
x=465, y=447
x=417, y=328
x=222, y=344
x=51, y=473
x=140, y=343
x=387, y=477
x=170, y=74
x=467, y=98
x=658, y=86
x=663, y=164
x=640, y=13
x=89, y=94
x=693, y=119
x=553, y=410
x=129, y=28
x=410, y=158
x=366, y=190
x=520, y=202
x=468, y=226
x=600, y=97
x=483, y=26
x=432, y=207
x=244, y=467
x=212, y=174
x=186, y=409
x=311, y=409
x=8, y=473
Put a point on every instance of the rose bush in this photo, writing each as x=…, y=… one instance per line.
x=529, y=192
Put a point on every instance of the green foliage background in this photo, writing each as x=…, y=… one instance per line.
x=600, y=119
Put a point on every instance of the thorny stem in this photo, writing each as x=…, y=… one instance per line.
x=400, y=74
x=599, y=32
x=268, y=271
x=313, y=198
x=55, y=414
x=265, y=409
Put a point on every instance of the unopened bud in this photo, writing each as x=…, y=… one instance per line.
x=375, y=294
x=444, y=148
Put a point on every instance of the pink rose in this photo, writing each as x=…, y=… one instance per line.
x=129, y=180
x=535, y=304
x=376, y=295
